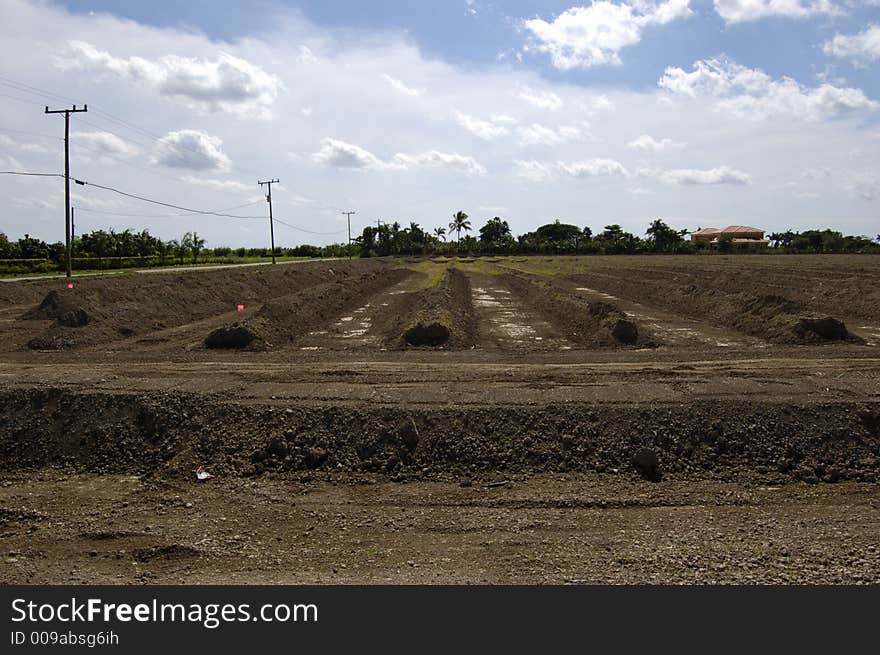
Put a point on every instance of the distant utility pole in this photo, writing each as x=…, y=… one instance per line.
x=349, y=215
x=269, y=183
x=67, y=113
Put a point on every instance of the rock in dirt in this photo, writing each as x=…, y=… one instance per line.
x=74, y=318
x=430, y=334
x=648, y=465
x=408, y=433
x=232, y=336
x=828, y=329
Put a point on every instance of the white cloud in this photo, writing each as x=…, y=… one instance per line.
x=191, y=149
x=648, y=143
x=741, y=11
x=305, y=55
x=547, y=100
x=537, y=134
x=864, y=46
x=593, y=168
x=594, y=35
x=486, y=130
x=401, y=86
x=750, y=93
x=216, y=185
x=227, y=83
x=532, y=170
x=340, y=154
x=434, y=158
x=104, y=144
x=693, y=176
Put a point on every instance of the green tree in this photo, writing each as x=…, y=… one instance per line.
x=196, y=245
x=664, y=238
x=440, y=233
x=493, y=233
x=458, y=225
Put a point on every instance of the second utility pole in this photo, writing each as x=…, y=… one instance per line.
x=269, y=183
x=67, y=113
x=349, y=214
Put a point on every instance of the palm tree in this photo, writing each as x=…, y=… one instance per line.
x=440, y=233
x=196, y=245
x=459, y=222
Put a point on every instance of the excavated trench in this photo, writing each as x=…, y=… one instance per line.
x=171, y=434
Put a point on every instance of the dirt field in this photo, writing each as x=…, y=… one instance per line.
x=517, y=420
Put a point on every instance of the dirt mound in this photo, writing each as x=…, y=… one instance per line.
x=827, y=329
x=774, y=317
x=232, y=337
x=431, y=334
x=441, y=316
x=171, y=434
x=106, y=309
x=284, y=319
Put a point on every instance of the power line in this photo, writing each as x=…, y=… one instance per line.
x=163, y=204
x=31, y=174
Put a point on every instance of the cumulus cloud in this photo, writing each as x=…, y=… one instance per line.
x=193, y=150
x=594, y=35
x=340, y=154
x=537, y=134
x=751, y=93
x=864, y=46
x=593, y=168
x=104, y=144
x=227, y=83
x=694, y=176
x=399, y=85
x=742, y=11
x=486, y=130
x=546, y=100
x=434, y=158
x=648, y=143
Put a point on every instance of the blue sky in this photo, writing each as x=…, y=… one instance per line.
x=446, y=29
x=701, y=112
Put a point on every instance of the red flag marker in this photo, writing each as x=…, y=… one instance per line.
x=239, y=308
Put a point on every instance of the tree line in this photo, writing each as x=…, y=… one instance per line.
x=109, y=248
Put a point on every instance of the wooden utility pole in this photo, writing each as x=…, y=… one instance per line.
x=269, y=183
x=67, y=113
x=349, y=215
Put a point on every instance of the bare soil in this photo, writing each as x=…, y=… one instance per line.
x=529, y=445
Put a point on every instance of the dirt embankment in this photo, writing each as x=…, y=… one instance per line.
x=441, y=316
x=172, y=434
x=284, y=319
x=770, y=316
x=592, y=324
x=105, y=309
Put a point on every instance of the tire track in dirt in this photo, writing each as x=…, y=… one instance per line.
x=506, y=323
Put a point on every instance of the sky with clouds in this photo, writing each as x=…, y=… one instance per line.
x=700, y=112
